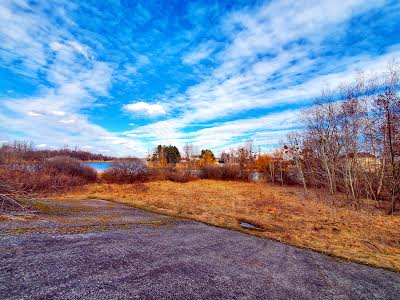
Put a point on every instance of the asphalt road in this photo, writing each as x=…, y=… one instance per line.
x=100, y=250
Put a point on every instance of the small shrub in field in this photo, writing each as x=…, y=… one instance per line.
x=126, y=171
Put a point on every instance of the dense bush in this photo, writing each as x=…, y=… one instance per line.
x=55, y=174
x=172, y=174
x=71, y=167
x=126, y=171
x=225, y=172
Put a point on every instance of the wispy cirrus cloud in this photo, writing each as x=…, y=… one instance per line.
x=277, y=55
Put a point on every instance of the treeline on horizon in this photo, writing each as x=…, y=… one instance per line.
x=27, y=152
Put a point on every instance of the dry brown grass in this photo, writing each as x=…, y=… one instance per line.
x=284, y=213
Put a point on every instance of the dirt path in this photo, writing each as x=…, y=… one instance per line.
x=96, y=249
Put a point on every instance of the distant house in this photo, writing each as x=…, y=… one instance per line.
x=366, y=161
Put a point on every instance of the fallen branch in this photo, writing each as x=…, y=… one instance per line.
x=10, y=198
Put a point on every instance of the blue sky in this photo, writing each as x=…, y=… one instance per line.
x=120, y=77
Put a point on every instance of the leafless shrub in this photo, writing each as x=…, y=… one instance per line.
x=225, y=172
x=126, y=171
x=70, y=166
x=46, y=176
x=172, y=174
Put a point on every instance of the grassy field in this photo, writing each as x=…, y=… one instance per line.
x=285, y=214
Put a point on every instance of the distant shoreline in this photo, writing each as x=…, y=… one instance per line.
x=97, y=160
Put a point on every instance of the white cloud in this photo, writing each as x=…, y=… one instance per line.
x=34, y=114
x=145, y=108
x=58, y=113
x=222, y=134
x=41, y=145
x=239, y=131
x=82, y=49
x=68, y=121
x=66, y=47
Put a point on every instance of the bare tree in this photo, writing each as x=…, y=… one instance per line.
x=387, y=116
x=293, y=150
x=351, y=139
x=322, y=132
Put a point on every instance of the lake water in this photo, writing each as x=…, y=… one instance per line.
x=99, y=166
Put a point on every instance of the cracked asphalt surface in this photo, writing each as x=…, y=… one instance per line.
x=94, y=249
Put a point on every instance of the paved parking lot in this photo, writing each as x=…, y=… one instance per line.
x=95, y=249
